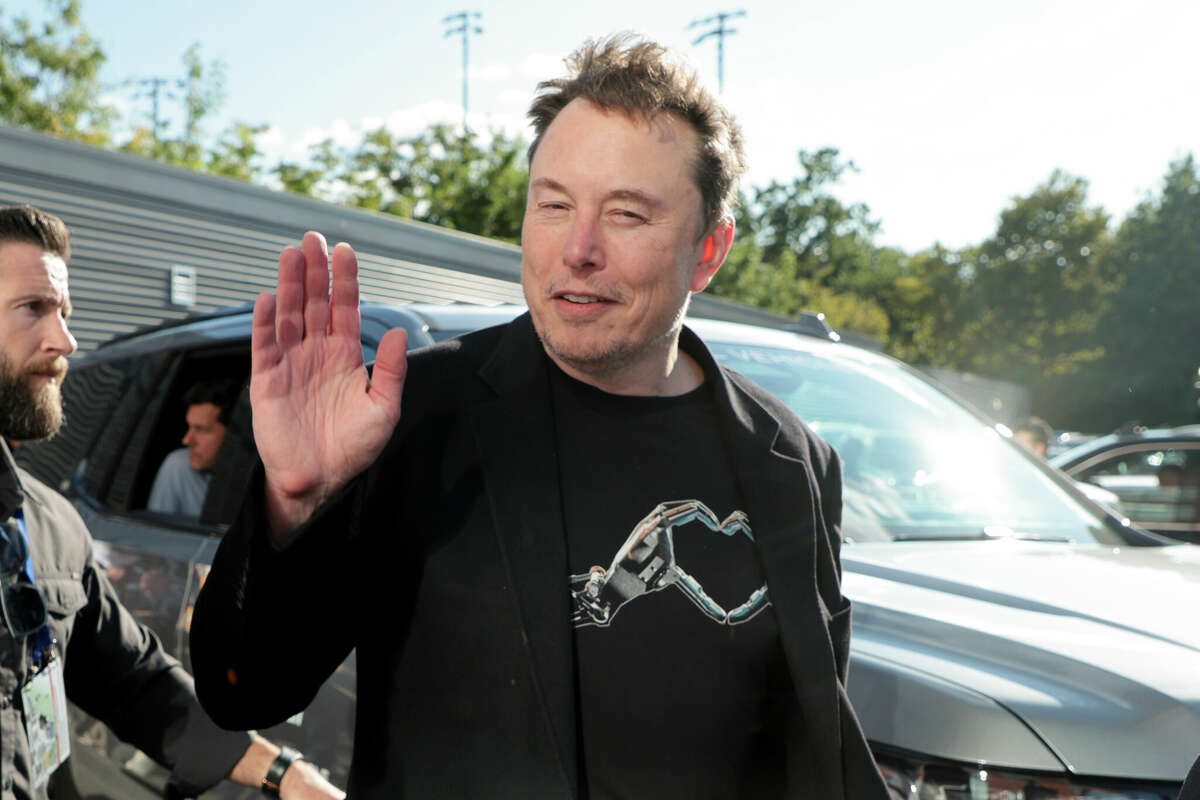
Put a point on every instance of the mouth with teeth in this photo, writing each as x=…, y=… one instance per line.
x=583, y=303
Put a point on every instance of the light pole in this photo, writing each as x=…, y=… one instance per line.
x=460, y=23
x=152, y=87
x=720, y=31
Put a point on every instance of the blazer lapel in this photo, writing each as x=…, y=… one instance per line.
x=517, y=446
x=776, y=492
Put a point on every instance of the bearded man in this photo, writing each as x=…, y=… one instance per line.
x=62, y=627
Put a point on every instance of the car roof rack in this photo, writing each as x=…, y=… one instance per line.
x=812, y=323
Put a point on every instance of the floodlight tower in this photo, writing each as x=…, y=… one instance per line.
x=460, y=24
x=720, y=31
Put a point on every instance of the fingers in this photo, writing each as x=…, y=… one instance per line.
x=316, y=284
x=391, y=366
x=305, y=306
x=289, y=301
x=344, y=315
x=263, y=351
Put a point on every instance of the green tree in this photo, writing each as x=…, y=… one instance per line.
x=799, y=248
x=49, y=75
x=831, y=241
x=1038, y=290
x=203, y=94
x=439, y=176
x=311, y=179
x=236, y=153
x=469, y=186
x=1151, y=337
x=927, y=300
x=378, y=176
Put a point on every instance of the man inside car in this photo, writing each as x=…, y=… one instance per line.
x=63, y=630
x=182, y=480
x=498, y=552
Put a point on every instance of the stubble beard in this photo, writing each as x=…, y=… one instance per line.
x=27, y=414
x=617, y=355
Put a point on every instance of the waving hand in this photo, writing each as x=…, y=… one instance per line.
x=319, y=419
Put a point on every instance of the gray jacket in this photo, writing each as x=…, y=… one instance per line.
x=115, y=669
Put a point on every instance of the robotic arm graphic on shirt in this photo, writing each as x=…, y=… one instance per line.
x=646, y=563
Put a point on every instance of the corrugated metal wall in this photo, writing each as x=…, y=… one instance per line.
x=131, y=220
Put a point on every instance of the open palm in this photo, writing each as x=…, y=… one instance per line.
x=319, y=418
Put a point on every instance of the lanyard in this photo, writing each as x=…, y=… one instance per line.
x=42, y=639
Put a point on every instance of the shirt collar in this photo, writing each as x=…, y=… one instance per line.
x=12, y=492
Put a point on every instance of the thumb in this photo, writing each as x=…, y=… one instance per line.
x=391, y=367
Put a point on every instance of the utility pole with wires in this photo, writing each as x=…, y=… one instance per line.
x=461, y=24
x=154, y=87
x=720, y=31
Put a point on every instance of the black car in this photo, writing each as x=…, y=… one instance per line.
x=1154, y=471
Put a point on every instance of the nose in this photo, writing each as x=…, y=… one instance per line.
x=187, y=438
x=58, y=338
x=584, y=248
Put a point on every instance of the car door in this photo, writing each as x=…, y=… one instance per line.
x=1158, y=484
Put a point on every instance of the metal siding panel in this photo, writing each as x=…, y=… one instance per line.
x=124, y=244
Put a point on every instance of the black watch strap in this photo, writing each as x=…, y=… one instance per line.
x=287, y=755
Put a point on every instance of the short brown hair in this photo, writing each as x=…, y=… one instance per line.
x=642, y=78
x=221, y=393
x=34, y=226
x=1038, y=429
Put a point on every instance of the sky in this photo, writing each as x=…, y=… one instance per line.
x=947, y=108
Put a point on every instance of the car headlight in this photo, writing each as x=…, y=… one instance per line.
x=911, y=777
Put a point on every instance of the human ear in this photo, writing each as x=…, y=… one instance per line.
x=713, y=251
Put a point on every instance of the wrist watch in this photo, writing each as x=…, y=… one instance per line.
x=287, y=755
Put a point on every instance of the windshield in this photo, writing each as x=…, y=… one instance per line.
x=916, y=464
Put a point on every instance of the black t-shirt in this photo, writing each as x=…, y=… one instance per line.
x=682, y=681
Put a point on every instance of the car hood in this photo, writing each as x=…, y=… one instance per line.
x=1095, y=648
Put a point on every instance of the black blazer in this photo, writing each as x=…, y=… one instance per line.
x=445, y=565
x=1191, y=786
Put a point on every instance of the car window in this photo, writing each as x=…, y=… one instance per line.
x=916, y=464
x=146, y=422
x=1156, y=484
x=139, y=442
x=163, y=424
x=105, y=473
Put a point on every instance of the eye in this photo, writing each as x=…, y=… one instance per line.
x=623, y=216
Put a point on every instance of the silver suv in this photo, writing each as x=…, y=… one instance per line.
x=1011, y=640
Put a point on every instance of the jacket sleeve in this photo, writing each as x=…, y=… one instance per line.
x=271, y=624
x=1191, y=786
x=117, y=671
x=828, y=469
